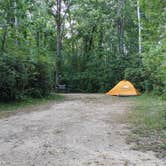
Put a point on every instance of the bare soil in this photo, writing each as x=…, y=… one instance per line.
x=84, y=130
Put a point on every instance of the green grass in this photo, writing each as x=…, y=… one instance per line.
x=149, y=112
x=148, y=117
x=28, y=102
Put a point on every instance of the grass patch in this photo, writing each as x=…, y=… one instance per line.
x=9, y=107
x=149, y=124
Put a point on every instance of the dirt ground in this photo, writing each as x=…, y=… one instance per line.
x=84, y=130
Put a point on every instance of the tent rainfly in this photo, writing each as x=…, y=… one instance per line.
x=124, y=88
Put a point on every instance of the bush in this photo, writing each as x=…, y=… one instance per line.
x=154, y=62
x=43, y=83
x=22, y=75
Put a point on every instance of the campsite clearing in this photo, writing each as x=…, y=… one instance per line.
x=84, y=130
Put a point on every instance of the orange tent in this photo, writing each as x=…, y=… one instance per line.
x=124, y=88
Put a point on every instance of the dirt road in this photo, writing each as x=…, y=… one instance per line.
x=84, y=130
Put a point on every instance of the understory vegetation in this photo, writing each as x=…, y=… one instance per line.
x=23, y=75
x=87, y=44
x=149, y=124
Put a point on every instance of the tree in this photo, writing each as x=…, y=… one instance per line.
x=96, y=42
x=59, y=10
x=139, y=27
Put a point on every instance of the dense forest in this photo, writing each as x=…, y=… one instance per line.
x=89, y=45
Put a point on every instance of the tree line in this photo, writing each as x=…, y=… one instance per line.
x=87, y=44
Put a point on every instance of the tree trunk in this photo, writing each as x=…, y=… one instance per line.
x=16, y=21
x=91, y=38
x=100, y=42
x=120, y=27
x=73, y=45
x=38, y=38
x=139, y=28
x=59, y=41
x=4, y=39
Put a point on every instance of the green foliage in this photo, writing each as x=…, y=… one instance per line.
x=150, y=74
x=154, y=43
x=155, y=64
x=21, y=75
x=136, y=73
x=99, y=46
x=43, y=82
x=98, y=74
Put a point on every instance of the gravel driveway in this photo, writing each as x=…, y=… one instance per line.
x=84, y=130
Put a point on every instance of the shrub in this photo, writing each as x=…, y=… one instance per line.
x=43, y=82
x=22, y=76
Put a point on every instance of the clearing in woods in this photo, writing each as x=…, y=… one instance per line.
x=85, y=129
